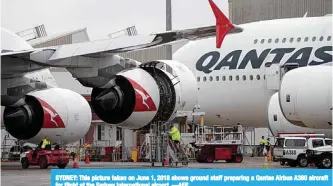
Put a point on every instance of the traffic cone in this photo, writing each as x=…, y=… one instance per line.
x=87, y=161
x=266, y=166
x=75, y=163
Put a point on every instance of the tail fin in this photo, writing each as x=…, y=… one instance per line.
x=223, y=24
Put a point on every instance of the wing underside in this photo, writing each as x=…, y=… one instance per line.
x=48, y=57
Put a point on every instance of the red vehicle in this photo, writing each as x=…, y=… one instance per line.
x=45, y=158
x=219, y=143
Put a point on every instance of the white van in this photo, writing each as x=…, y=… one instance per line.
x=291, y=150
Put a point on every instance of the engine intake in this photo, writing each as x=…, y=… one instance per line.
x=60, y=114
x=137, y=96
x=24, y=122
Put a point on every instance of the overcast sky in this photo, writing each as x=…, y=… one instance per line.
x=102, y=17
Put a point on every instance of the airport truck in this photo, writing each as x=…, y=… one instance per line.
x=292, y=149
x=320, y=156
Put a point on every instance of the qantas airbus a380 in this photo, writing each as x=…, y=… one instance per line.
x=238, y=80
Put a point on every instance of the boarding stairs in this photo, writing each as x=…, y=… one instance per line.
x=10, y=148
x=162, y=149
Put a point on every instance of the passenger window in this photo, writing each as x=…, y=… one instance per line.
x=284, y=40
x=251, y=77
x=255, y=41
x=314, y=39
x=230, y=78
x=276, y=40
x=291, y=40
x=258, y=77
x=298, y=39
x=198, y=79
x=237, y=78
x=306, y=39
x=262, y=41
x=300, y=142
x=244, y=77
x=223, y=78
x=204, y=78
x=217, y=78
x=295, y=142
x=321, y=38
x=290, y=143
x=269, y=40
x=317, y=143
x=210, y=78
x=329, y=38
x=275, y=117
x=288, y=98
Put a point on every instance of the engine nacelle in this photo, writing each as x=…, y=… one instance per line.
x=306, y=97
x=138, y=96
x=279, y=124
x=62, y=115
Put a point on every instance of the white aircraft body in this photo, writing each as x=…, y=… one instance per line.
x=237, y=81
x=231, y=84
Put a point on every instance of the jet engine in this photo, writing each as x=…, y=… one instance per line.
x=306, y=97
x=154, y=91
x=279, y=124
x=60, y=114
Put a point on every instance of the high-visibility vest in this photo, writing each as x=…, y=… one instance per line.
x=175, y=135
x=45, y=142
x=263, y=142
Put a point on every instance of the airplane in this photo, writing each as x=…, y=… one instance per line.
x=229, y=71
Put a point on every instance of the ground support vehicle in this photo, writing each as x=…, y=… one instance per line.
x=219, y=143
x=44, y=158
x=292, y=150
x=321, y=156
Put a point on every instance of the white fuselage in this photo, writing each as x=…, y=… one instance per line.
x=240, y=93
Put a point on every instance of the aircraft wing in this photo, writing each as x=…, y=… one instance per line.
x=122, y=44
x=49, y=56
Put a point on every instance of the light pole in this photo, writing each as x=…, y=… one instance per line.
x=168, y=27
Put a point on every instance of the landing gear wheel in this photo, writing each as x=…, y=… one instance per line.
x=209, y=159
x=302, y=161
x=238, y=158
x=62, y=166
x=25, y=163
x=325, y=162
x=282, y=163
x=229, y=161
x=43, y=162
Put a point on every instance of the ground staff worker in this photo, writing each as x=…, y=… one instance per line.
x=174, y=135
x=46, y=141
x=262, y=143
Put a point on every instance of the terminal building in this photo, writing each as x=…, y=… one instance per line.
x=240, y=11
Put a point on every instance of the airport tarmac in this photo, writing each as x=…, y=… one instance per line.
x=13, y=175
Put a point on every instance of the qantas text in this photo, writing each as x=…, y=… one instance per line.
x=231, y=60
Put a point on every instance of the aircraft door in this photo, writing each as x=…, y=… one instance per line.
x=273, y=76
